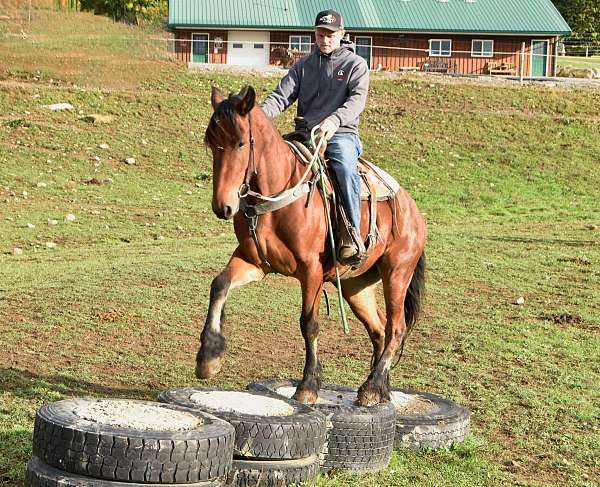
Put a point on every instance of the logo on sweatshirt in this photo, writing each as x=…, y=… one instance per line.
x=327, y=19
x=340, y=75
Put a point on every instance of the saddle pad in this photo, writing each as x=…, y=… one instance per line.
x=385, y=185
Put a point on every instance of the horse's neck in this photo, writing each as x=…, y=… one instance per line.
x=276, y=165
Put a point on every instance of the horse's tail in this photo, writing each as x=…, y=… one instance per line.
x=413, y=301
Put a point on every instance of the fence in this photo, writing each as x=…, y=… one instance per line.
x=515, y=59
x=587, y=45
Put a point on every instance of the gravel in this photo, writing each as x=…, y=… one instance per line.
x=242, y=402
x=136, y=415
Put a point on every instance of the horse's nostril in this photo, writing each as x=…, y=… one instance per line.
x=227, y=212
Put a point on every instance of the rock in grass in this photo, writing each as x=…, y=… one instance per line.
x=70, y=217
x=104, y=146
x=130, y=161
x=17, y=251
x=52, y=222
x=59, y=106
x=520, y=301
x=51, y=245
x=31, y=226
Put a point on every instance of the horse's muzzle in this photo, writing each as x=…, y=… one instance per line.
x=225, y=212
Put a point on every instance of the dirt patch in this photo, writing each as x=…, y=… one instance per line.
x=566, y=319
x=110, y=316
x=573, y=321
x=94, y=181
x=576, y=260
x=411, y=404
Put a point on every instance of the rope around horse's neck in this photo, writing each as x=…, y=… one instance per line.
x=302, y=180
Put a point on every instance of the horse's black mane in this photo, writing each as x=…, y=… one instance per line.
x=222, y=131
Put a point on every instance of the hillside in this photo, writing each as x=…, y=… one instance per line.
x=506, y=174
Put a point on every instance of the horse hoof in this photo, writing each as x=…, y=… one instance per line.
x=368, y=398
x=305, y=396
x=208, y=368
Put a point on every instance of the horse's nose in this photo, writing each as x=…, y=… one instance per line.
x=224, y=213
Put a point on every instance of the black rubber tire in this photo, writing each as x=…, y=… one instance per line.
x=290, y=437
x=359, y=439
x=41, y=475
x=261, y=473
x=65, y=441
x=446, y=423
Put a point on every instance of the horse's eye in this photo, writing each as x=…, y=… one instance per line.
x=241, y=144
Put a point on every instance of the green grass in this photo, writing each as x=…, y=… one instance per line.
x=580, y=62
x=507, y=177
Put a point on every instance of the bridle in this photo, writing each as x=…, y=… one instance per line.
x=251, y=167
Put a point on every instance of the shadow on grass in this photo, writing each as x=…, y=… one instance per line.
x=545, y=241
x=28, y=385
x=15, y=450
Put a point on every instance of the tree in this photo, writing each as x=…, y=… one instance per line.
x=133, y=11
x=582, y=15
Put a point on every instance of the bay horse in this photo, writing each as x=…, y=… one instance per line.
x=249, y=152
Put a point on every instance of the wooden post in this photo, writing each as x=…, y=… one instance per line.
x=555, y=67
x=522, y=63
x=29, y=13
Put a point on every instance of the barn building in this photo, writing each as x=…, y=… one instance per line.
x=469, y=37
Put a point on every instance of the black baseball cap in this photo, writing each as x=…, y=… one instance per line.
x=329, y=19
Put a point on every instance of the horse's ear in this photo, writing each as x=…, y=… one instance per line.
x=216, y=97
x=247, y=98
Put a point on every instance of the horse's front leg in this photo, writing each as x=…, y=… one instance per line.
x=311, y=280
x=212, y=342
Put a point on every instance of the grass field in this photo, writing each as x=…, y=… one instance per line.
x=508, y=179
x=579, y=62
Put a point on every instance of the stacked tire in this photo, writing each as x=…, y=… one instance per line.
x=199, y=437
x=277, y=440
x=359, y=439
x=125, y=443
x=425, y=420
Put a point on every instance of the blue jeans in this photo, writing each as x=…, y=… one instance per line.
x=342, y=151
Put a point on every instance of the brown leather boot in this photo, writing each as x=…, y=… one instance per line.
x=352, y=249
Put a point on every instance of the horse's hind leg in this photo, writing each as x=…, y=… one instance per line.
x=396, y=281
x=311, y=280
x=359, y=292
x=212, y=342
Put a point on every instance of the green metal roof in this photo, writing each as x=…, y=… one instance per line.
x=476, y=16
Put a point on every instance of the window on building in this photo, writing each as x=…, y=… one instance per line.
x=259, y=46
x=237, y=45
x=440, y=47
x=364, y=47
x=300, y=43
x=482, y=48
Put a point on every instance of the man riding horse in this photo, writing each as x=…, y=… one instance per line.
x=331, y=86
x=281, y=224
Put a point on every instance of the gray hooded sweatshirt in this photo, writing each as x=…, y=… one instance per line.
x=332, y=86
